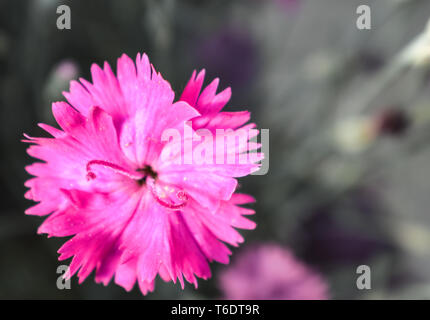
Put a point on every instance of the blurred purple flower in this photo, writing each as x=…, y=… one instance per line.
x=269, y=272
x=231, y=54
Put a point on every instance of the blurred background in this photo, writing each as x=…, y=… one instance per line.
x=348, y=112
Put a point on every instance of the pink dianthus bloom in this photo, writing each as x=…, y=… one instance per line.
x=270, y=272
x=134, y=213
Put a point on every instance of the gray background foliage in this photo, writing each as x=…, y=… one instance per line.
x=301, y=70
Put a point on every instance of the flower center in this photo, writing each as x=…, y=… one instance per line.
x=168, y=196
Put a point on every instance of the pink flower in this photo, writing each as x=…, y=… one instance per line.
x=133, y=212
x=269, y=272
x=209, y=104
